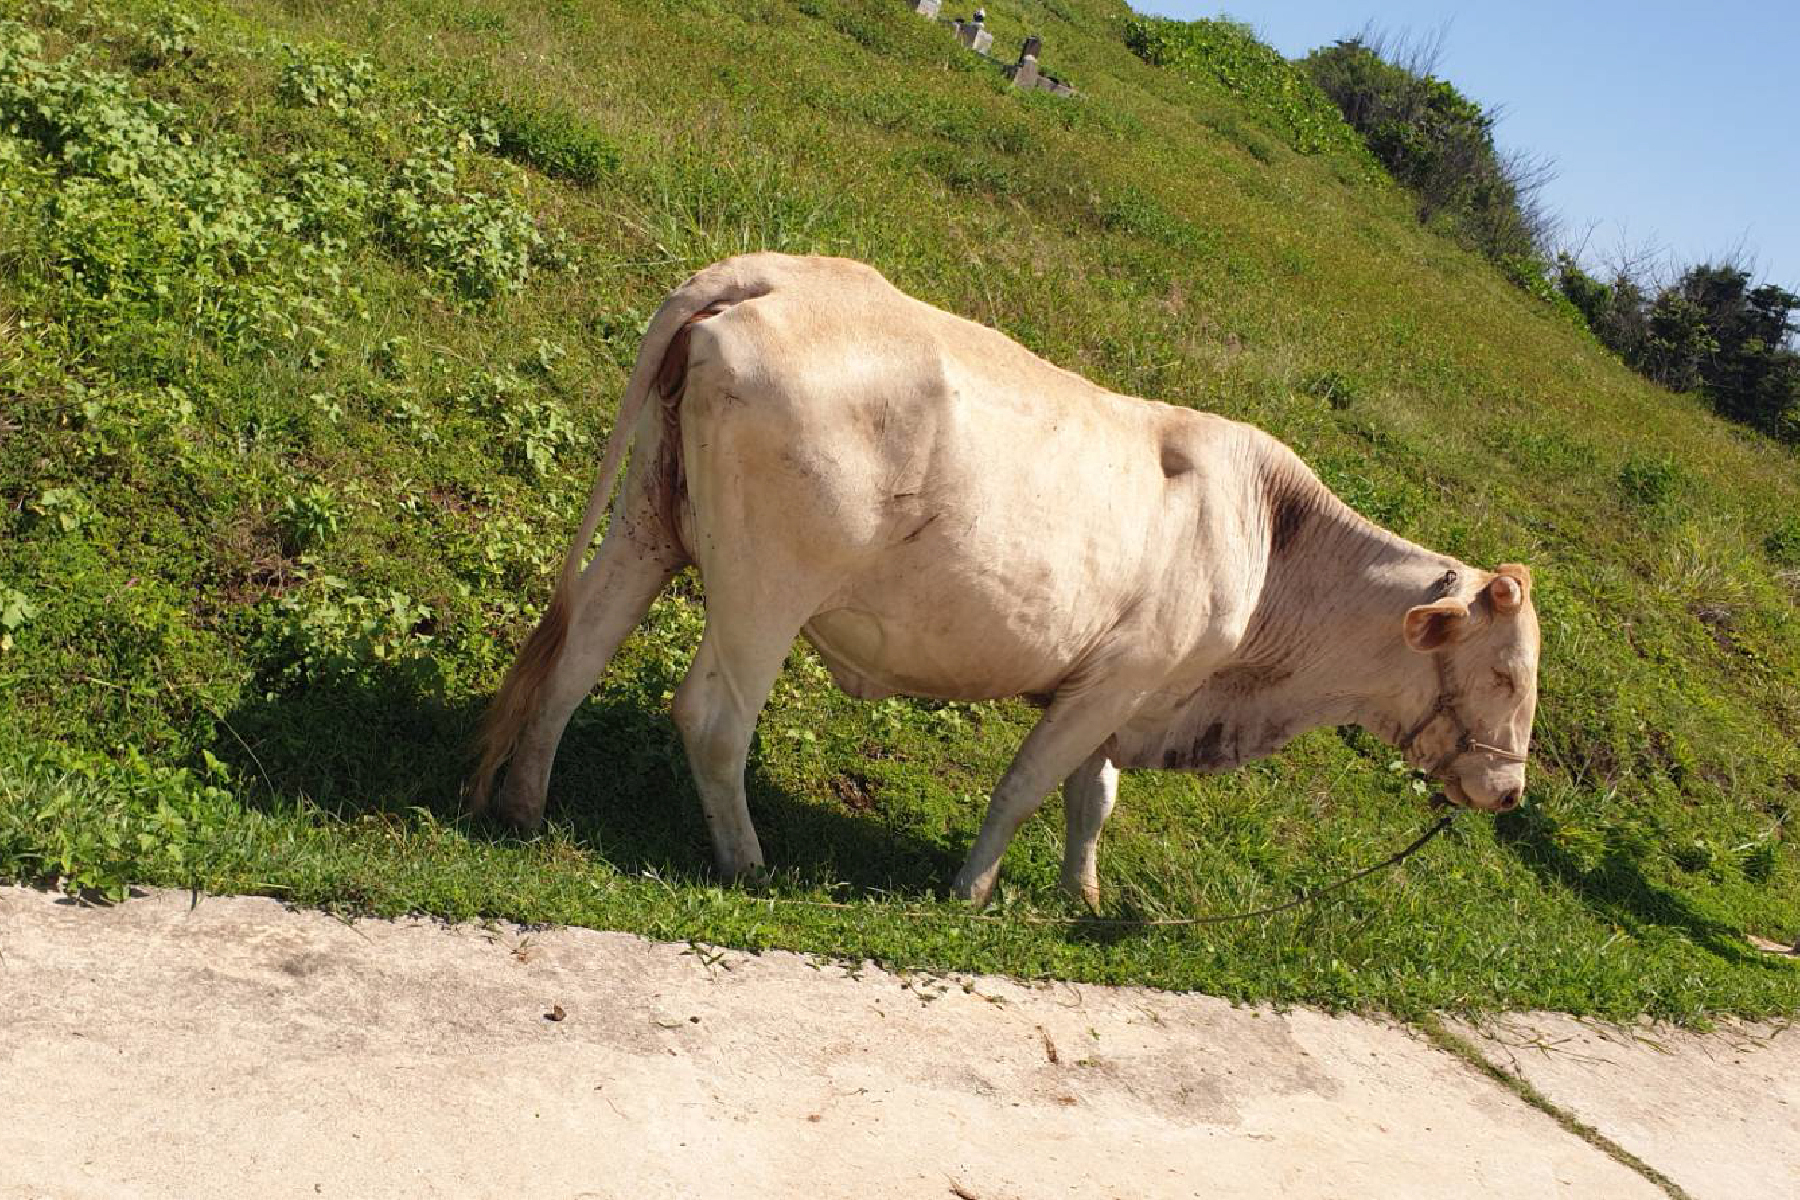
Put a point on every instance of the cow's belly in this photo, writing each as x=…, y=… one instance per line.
x=872, y=654
x=936, y=618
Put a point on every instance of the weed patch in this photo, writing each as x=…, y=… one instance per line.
x=1230, y=55
x=1651, y=484
x=559, y=144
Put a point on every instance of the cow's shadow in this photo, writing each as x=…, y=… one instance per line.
x=1617, y=888
x=380, y=746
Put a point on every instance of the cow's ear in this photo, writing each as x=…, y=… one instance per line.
x=1429, y=626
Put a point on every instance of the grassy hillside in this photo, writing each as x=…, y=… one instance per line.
x=312, y=317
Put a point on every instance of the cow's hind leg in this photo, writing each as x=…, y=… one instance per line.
x=1062, y=740
x=716, y=708
x=605, y=603
x=1088, y=798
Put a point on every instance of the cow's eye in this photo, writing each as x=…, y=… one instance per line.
x=1505, y=682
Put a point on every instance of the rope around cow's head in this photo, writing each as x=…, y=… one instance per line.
x=1466, y=743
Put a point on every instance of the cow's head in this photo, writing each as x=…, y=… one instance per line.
x=1486, y=657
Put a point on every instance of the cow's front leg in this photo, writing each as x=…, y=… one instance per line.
x=1061, y=741
x=1088, y=798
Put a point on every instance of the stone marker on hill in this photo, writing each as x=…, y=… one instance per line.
x=1026, y=74
x=974, y=33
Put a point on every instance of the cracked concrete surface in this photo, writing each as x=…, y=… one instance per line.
x=1719, y=1114
x=244, y=1049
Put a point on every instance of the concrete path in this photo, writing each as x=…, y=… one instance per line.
x=1718, y=1115
x=240, y=1049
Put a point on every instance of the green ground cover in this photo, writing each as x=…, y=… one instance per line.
x=312, y=317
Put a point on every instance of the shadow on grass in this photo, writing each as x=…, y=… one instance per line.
x=1617, y=888
x=621, y=787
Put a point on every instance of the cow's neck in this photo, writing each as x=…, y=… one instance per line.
x=1323, y=646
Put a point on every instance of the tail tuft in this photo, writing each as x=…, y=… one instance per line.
x=518, y=696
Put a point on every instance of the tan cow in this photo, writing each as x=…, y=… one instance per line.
x=942, y=513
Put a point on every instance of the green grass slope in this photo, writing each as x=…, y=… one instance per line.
x=312, y=317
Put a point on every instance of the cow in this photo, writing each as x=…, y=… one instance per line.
x=943, y=514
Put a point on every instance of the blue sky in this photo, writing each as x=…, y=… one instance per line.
x=1672, y=123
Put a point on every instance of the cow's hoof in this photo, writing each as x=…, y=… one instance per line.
x=1084, y=891
x=522, y=819
x=745, y=873
x=974, y=889
x=753, y=879
x=515, y=806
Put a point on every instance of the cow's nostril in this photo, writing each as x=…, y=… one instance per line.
x=1510, y=800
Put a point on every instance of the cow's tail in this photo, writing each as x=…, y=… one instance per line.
x=661, y=366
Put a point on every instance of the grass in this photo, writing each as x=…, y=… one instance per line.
x=312, y=317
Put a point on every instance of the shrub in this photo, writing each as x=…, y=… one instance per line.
x=1531, y=275
x=1440, y=144
x=1616, y=312
x=324, y=632
x=1677, y=341
x=96, y=822
x=1714, y=331
x=481, y=244
x=140, y=226
x=532, y=427
x=65, y=508
x=1709, y=331
x=329, y=199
